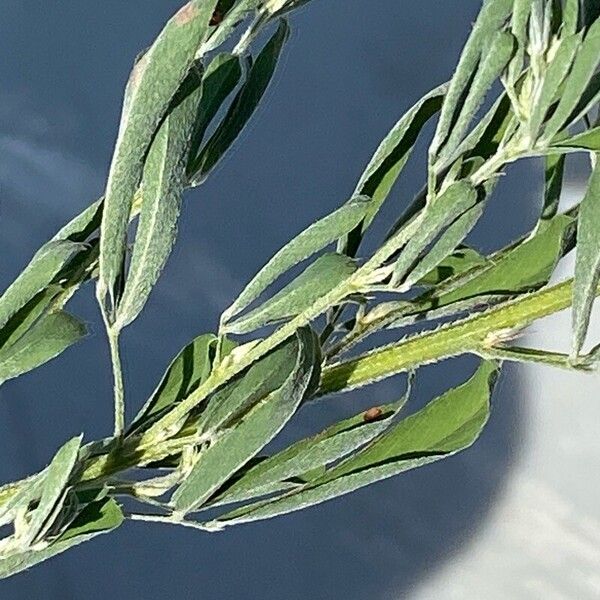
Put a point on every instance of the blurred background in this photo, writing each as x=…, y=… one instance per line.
x=516, y=516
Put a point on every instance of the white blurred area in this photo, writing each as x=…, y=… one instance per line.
x=542, y=537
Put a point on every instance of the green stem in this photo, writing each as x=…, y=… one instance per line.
x=466, y=336
x=119, y=391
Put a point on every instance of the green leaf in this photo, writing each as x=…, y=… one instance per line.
x=262, y=378
x=314, y=238
x=326, y=273
x=163, y=183
x=581, y=74
x=553, y=78
x=219, y=80
x=242, y=107
x=306, y=455
x=444, y=427
x=450, y=239
x=189, y=369
x=554, y=173
x=491, y=18
x=523, y=267
x=236, y=446
x=388, y=162
x=570, y=16
x=237, y=14
x=492, y=64
x=50, y=336
x=95, y=519
x=153, y=83
x=458, y=198
x=585, y=141
x=461, y=260
x=587, y=263
x=53, y=487
x=40, y=272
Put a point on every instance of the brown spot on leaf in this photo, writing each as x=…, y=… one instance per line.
x=372, y=414
x=186, y=14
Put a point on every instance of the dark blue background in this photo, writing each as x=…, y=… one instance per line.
x=351, y=69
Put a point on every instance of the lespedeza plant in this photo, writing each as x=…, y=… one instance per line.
x=199, y=440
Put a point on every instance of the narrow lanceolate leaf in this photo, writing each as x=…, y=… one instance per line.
x=553, y=79
x=55, y=480
x=153, y=83
x=188, y=370
x=582, y=142
x=587, y=263
x=262, y=378
x=235, y=15
x=519, y=23
x=96, y=518
x=452, y=237
x=307, y=455
x=50, y=336
x=38, y=274
x=444, y=427
x=325, y=274
x=491, y=66
x=163, y=183
x=449, y=206
x=554, y=173
x=570, y=16
x=522, y=267
x=491, y=18
x=237, y=445
x=388, y=161
x=584, y=67
x=218, y=81
x=243, y=106
x=314, y=238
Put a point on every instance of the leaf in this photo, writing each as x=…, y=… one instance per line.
x=523, y=267
x=262, y=378
x=153, y=83
x=50, y=336
x=163, y=183
x=444, y=427
x=307, y=455
x=461, y=260
x=53, y=485
x=242, y=107
x=587, y=262
x=95, y=519
x=439, y=214
x=588, y=140
x=236, y=446
x=446, y=244
x=232, y=19
x=570, y=16
x=189, y=369
x=581, y=74
x=491, y=66
x=554, y=173
x=218, y=81
x=40, y=272
x=314, y=238
x=326, y=273
x=554, y=76
x=388, y=162
x=491, y=17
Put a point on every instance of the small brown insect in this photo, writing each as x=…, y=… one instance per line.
x=216, y=18
x=372, y=414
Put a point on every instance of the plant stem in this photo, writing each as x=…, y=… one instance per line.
x=119, y=392
x=466, y=336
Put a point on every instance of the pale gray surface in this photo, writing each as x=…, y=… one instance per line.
x=351, y=69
